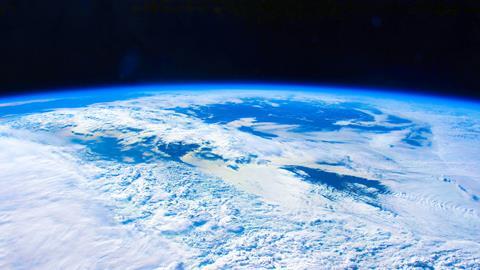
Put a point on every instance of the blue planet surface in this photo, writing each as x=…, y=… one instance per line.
x=217, y=176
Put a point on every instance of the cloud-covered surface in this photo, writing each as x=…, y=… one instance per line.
x=242, y=180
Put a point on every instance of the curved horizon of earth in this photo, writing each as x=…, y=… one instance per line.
x=238, y=177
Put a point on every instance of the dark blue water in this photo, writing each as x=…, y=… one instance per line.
x=418, y=137
x=351, y=185
x=206, y=153
x=257, y=133
x=392, y=119
x=110, y=148
x=306, y=116
x=176, y=150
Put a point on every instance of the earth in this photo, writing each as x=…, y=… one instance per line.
x=238, y=177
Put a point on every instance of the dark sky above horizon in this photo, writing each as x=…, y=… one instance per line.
x=429, y=46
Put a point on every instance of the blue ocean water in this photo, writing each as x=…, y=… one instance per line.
x=307, y=116
x=357, y=186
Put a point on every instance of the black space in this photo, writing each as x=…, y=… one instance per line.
x=431, y=46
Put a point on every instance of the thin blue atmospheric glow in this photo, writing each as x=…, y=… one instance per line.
x=78, y=97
